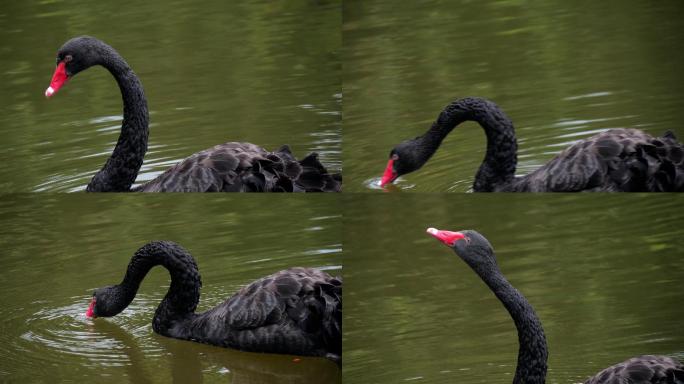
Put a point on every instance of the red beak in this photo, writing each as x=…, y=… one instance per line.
x=91, y=312
x=59, y=78
x=447, y=237
x=389, y=174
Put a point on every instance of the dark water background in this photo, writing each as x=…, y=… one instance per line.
x=603, y=272
x=57, y=250
x=216, y=71
x=561, y=70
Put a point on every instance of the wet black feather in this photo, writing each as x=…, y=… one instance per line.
x=646, y=369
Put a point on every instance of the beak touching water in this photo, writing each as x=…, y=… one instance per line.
x=389, y=175
x=91, y=309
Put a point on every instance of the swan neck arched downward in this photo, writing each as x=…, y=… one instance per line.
x=121, y=169
x=498, y=166
x=533, y=351
x=182, y=298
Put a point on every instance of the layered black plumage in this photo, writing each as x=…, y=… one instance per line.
x=642, y=370
x=618, y=160
x=478, y=253
x=296, y=311
x=245, y=167
x=229, y=167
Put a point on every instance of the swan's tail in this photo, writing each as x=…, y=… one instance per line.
x=306, y=175
x=328, y=301
x=315, y=178
x=659, y=163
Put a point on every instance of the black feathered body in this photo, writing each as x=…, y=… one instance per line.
x=245, y=167
x=295, y=311
x=617, y=160
x=647, y=369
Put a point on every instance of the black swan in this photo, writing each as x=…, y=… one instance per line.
x=229, y=167
x=297, y=311
x=619, y=160
x=476, y=251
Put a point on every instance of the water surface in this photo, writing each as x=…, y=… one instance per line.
x=603, y=273
x=56, y=250
x=260, y=71
x=562, y=71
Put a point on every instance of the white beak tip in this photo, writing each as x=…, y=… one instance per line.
x=432, y=231
x=49, y=92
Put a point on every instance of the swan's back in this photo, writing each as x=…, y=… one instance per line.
x=294, y=311
x=642, y=370
x=245, y=167
x=616, y=160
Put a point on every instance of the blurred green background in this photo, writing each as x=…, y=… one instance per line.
x=603, y=272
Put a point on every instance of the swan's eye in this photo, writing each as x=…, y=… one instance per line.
x=395, y=157
x=67, y=58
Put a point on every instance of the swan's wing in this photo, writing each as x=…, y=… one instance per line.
x=295, y=311
x=242, y=167
x=298, y=309
x=211, y=170
x=300, y=296
x=642, y=369
x=615, y=160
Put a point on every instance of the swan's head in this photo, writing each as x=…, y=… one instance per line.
x=107, y=302
x=73, y=57
x=404, y=158
x=469, y=245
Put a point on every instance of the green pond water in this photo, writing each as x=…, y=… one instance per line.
x=213, y=72
x=561, y=70
x=57, y=250
x=603, y=272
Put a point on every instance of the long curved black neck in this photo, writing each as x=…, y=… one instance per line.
x=181, y=300
x=533, y=352
x=498, y=166
x=121, y=169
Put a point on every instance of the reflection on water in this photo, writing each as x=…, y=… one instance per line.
x=562, y=71
x=603, y=272
x=57, y=250
x=262, y=72
x=112, y=343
